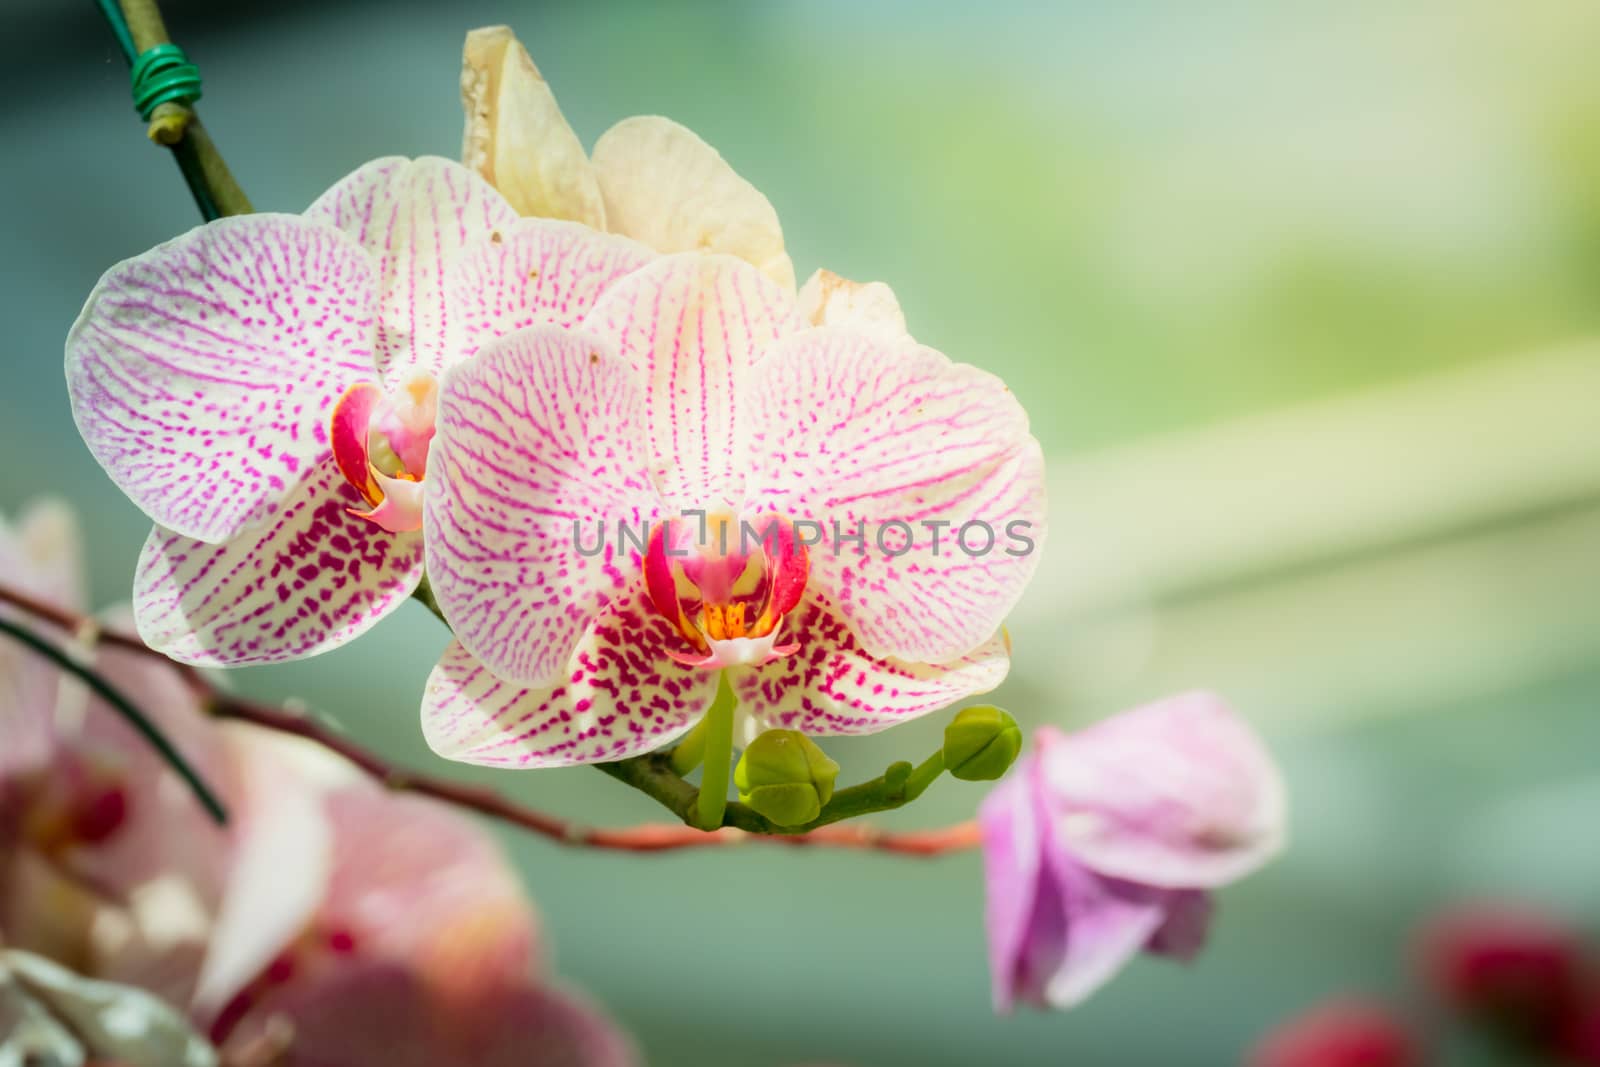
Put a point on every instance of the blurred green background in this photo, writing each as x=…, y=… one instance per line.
x=1302, y=301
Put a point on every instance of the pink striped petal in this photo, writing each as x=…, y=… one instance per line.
x=202, y=372
x=415, y=217
x=537, y=271
x=317, y=577
x=831, y=686
x=621, y=695
x=1180, y=793
x=692, y=325
x=538, y=443
x=856, y=433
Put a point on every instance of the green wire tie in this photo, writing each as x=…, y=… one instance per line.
x=163, y=75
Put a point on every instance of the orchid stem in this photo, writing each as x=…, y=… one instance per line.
x=717, y=745
x=124, y=707
x=138, y=27
x=692, y=749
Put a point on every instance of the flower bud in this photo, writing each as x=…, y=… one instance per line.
x=980, y=743
x=784, y=776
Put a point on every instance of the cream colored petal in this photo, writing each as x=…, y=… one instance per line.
x=827, y=299
x=516, y=137
x=666, y=187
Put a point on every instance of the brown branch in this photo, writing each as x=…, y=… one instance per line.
x=649, y=837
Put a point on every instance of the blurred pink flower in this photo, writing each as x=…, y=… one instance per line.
x=382, y=929
x=1344, y=1033
x=1105, y=842
x=1510, y=965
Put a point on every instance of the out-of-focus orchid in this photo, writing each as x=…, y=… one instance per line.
x=263, y=387
x=327, y=898
x=1343, y=1033
x=697, y=403
x=1106, y=842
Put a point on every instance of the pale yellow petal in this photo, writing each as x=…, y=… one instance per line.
x=827, y=299
x=666, y=187
x=515, y=134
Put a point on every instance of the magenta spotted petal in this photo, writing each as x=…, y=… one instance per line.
x=202, y=372
x=831, y=686
x=315, y=578
x=621, y=695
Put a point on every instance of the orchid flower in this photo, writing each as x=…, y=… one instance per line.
x=1106, y=842
x=696, y=386
x=326, y=899
x=263, y=387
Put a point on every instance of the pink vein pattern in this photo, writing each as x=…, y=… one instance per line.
x=831, y=686
x=848, y=428
x=202, y=372
x=415, y=217
x=537, y=443
x=691, y=325
x=621, y=695
x=316, y=578
x=536, y=271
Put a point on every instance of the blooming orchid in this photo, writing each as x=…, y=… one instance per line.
x=1106, y=842
x=697, y=387
x=263, y=387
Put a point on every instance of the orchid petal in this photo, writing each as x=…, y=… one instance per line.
x=417, y=883
x=315, y=579
x=1013, y=869
x=537, y=444
x=831, y=686
x=376, y=1013
x=691, y=326
x=400, y=510
x=854, y=433
x=281, y=867
x=516, y=137
x=1104, y=924
x=537, y=271
x=414, y=217
x=622, y=695
x=41, y=556
x=666, y=187
x=202, y=372
x=827, y=299
x=1180, y=793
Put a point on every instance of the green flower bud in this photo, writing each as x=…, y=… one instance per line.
x=784, y=776
x=980, y=743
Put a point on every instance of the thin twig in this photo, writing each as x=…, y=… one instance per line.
x=649, y=837
x=124, y=707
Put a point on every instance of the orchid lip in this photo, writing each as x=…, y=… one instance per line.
x=380, y=443
x=726, y=598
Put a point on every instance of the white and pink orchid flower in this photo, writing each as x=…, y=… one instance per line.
x=698, y=398
x=1107, y=842
x=263, y=388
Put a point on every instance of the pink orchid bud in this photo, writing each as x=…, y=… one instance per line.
x=1345, y=1033
x=1106, y=842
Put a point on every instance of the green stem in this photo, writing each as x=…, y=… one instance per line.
x=692, y=749
x=423, y=594
x=124, y=707
x=138, y=27
x=718, y=755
